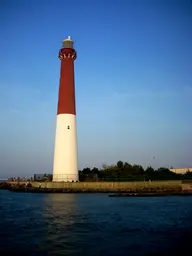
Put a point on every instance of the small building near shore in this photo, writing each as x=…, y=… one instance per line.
x=38, y=177
x=180, y=170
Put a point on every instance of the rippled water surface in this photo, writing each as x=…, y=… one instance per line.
x=94, y=224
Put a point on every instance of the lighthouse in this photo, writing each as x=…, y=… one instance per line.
x=65, y=166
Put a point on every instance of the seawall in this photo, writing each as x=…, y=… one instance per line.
x=103, y=187
x=110, y=186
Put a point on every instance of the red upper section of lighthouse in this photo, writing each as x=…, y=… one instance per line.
x=66, y=101
x=67, y=52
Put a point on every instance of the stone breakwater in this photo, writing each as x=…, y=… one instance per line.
x=151, y=194
x=100, y=187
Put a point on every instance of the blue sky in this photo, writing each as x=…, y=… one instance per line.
x=133, y=82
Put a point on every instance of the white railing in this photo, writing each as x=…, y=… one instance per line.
x=66, y=177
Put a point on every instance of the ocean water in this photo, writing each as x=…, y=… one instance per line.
x=94, y=224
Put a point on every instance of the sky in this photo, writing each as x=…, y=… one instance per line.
x=133, y=78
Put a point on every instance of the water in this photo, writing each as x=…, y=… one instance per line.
x=94, y=224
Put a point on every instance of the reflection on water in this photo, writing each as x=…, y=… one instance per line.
x=93, y=224
x=60, y=209
x=59, y=215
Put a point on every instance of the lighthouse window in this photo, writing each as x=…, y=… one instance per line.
x=68, y=127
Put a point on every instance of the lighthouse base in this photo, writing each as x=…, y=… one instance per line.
x=65, y=178
x=65, y=166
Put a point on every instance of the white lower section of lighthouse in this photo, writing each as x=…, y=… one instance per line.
x=65, y=166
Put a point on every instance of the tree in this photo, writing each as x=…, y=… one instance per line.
x=165, y=174
x=86, y=170
x=95, y=170
x=120, y=164
x=149, y=170
x=127, y=166
x=164, y=170
x=127, y=170
x=149, y=173
x=187, y=175
x=137, y=169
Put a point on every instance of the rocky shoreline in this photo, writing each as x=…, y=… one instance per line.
x=181, y=193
